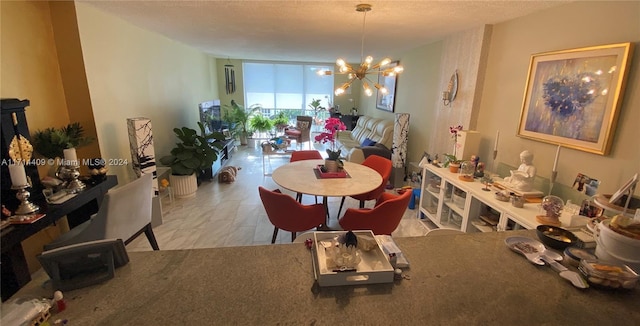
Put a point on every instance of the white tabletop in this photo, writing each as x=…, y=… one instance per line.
x=300, y=177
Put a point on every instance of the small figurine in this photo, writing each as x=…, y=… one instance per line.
x=479, y=170
x=522, y=179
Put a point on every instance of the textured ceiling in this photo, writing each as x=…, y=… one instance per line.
x=313, y=31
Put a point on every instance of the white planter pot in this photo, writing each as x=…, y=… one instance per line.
x=183, y=186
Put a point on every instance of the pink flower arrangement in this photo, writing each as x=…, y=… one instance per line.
x=453, y=130
x=331, y=128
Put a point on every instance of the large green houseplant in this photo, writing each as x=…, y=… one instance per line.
x=195, y=152
x=238, y=117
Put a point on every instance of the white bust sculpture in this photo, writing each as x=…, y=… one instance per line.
x=522, y=179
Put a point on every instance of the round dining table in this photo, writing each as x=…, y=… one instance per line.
x=300, y=177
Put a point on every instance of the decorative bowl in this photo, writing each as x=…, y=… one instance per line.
x=555, y=237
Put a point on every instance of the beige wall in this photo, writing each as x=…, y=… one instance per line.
x=135, y=73
x=461, y=52
x=573, y=25
x=29, y=63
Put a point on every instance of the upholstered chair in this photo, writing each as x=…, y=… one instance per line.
x=383, y=218
x=305, y=155
x=383, y=167
x=286, y=213
x=302, y=131
x=125, y=213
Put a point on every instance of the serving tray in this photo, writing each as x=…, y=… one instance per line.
x=325, y=175
x=373, y=268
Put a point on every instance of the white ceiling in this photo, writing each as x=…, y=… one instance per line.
x=313, y=31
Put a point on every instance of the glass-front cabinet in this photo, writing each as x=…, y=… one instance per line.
x=447, y=201
x=430, y=195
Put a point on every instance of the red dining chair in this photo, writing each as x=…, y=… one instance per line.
x=381, y=165
x=383, y=218
x=286, y=213
x=301, y=156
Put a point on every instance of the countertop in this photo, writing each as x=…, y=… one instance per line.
x=470, y=279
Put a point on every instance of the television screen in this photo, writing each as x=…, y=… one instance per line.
x=210, y=116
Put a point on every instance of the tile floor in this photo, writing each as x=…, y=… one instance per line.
x=226, y=215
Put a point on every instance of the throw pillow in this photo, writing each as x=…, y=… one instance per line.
x=368, y=142
x=302, y=125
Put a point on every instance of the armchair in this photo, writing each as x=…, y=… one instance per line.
x=302, y=131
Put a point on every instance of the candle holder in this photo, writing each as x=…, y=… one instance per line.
x=552, y=180
x=70, y=173
x=494, y=168
x=26, y=207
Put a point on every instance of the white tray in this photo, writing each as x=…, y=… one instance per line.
x=373, y=268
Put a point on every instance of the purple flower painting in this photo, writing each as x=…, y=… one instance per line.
x=572, y=97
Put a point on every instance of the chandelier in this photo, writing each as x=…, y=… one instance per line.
x=365, y=68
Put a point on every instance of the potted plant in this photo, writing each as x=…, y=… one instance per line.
x=237, y=117
x=52, y=142
x=315, y=106
x=331, y=127
x=280, y=121
x=452, y=162
x=194, y=153
x=260, y=123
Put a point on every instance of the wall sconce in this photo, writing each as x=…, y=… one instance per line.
x=450, y=94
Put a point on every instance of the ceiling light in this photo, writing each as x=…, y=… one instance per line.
x=365, y=68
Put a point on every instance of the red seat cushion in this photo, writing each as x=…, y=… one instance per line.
x=293, y=132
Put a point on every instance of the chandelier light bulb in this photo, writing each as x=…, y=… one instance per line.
x=366, y=67
x=381, y=88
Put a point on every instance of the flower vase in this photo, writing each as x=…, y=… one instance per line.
x=331, y=165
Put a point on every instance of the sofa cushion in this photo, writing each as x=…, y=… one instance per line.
x=368, y=142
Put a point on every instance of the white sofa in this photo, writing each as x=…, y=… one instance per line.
x=378, y=130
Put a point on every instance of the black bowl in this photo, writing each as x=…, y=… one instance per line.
x=556, y=237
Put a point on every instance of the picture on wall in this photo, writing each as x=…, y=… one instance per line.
x=386, y=102
x=572, y=97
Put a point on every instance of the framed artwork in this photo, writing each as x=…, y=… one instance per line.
x=386, y=102
x=572, y=97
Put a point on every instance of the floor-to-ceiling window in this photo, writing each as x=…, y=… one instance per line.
x=288, y=87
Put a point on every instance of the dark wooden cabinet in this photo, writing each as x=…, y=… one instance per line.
x=223, y=157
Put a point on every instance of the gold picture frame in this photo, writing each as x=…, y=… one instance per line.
x=572, y=97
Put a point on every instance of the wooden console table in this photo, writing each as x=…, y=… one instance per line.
x=15, y=272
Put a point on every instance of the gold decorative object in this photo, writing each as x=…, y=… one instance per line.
x=365, y=68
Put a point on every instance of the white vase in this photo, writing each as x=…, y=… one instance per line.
x=183, y=186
